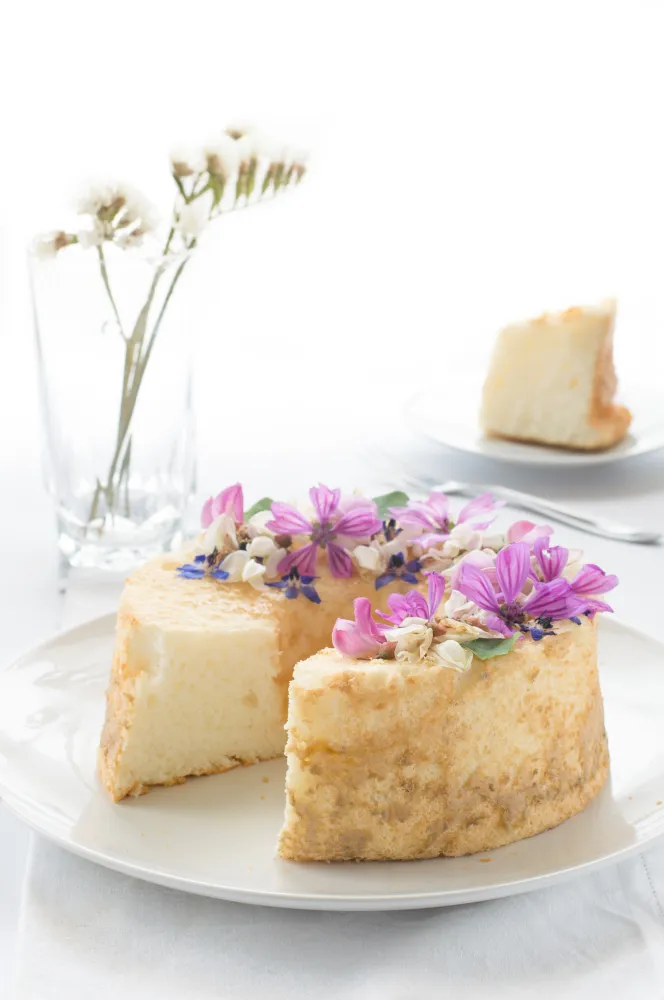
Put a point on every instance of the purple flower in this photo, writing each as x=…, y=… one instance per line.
x=433, y=515
x=360, y=521
x=550, y=559
x=229, y=501
x=293, y=585
x=361, y=638
x=590, y=581
x=416, y=605
x=507, y=613
x=399, y=569
x=202, y=566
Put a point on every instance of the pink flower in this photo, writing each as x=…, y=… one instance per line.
x=433, y=515
x=486, y=561
x=526, y=531
x=590, y=581
x=416, y=605
x=506, y=609
x=551, y=560
x=229, y=501
x=361, y=638
x=360, y=521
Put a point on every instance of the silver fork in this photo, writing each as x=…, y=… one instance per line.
x=601, y=526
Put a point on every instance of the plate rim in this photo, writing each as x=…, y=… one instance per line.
x=347, y=902
x=536, y=453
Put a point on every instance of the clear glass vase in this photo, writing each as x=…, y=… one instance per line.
x=114, y=357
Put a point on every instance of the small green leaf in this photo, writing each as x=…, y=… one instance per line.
x=486, y=649
x=394, y=499
x=263, y=504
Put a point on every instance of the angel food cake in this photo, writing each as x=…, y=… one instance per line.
x=552, y=381
x=465, y=715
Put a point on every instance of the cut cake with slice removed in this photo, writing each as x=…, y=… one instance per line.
x=390, y=760
x=199, y=681
x=551, y=380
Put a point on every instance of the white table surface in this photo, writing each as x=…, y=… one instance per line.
x=32, y=606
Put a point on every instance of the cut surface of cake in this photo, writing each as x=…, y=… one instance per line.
x=390, y=760
x=552, y=380
x=200, y=673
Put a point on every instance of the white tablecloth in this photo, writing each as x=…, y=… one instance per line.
x=87, y=931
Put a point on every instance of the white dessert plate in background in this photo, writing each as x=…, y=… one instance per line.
x=451, y=418
x=216, y=835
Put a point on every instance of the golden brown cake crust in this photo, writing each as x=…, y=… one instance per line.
x=449, y=764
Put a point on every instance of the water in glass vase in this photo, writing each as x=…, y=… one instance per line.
x=115, y=373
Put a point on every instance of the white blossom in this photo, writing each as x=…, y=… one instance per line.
x=465, y=537
x=96, y=235
x=48, y=245
x=413, y=639
x=257, y=524
x=115, y=210
x=268, y=552
x=241, y=568
x=194, y=217
x=221, y=156
x=371, y=557
x=450, y=653
x=187, y=160
x=457, y=605
x=220, y=535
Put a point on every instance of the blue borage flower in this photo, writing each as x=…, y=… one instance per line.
x=399, y=569
x=202, y=566
x=293, y=585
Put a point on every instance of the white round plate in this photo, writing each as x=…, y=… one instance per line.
x=451, y=418
x=216, y=835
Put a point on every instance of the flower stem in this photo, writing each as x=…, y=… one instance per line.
x=107, y=286
x=136, y=361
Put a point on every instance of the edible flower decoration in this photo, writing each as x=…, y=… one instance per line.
x=435, y=520
x=326, y=529
x=502, y=586
x=411, y=632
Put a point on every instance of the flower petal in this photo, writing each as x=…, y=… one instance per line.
x=451, y=653
x=325, y=501
x=361, y=638
x=207, y=516
x=593, y=605
x=410, y=605
x=593, y=580
x=477, y=557
x=287, y=520
x=551, y=559
x=230, y=501
x=527, y=531
x=310, y=593
x=555, y=600
x=407, y=515
x=476, y=586
x=483, y=504
x=361, y=522
x=435, y=590
x=303, y=559
x=339, y=560
x=497, y=624
x=512, y=569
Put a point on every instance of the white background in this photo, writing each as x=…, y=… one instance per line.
x=470, y=163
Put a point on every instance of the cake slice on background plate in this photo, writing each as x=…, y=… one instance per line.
x=551, y=380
